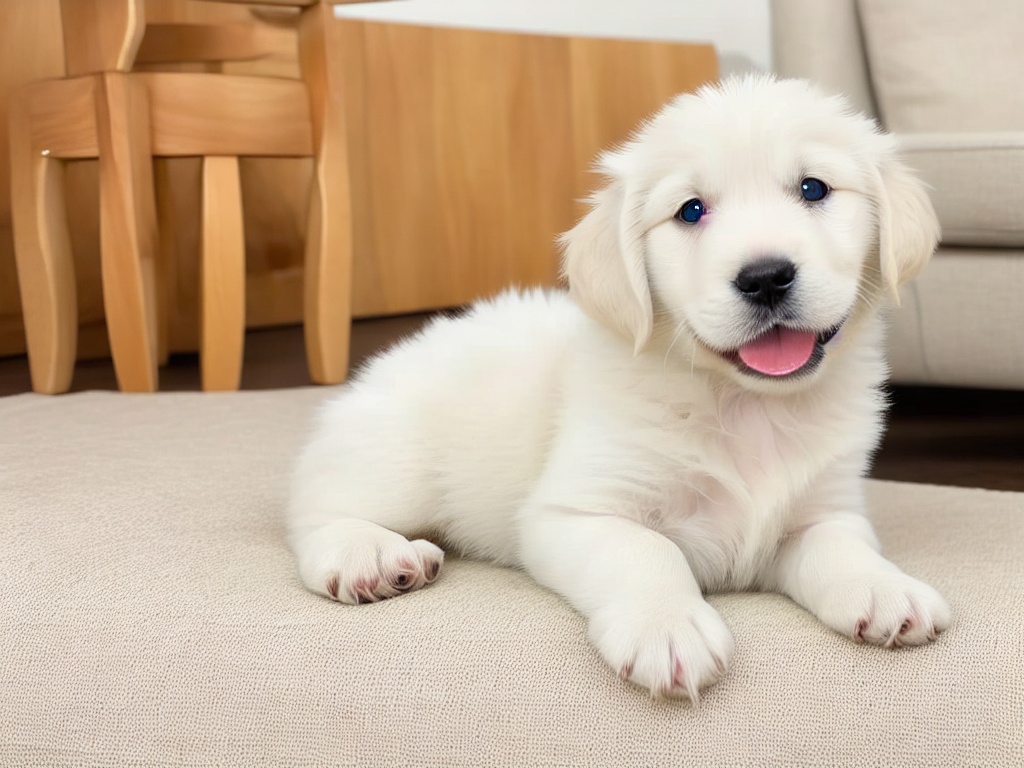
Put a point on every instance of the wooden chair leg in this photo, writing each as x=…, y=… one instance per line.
x=222, y=294
x=127, y=231
x=166, y=242
x=42, y=246
x=328, y=270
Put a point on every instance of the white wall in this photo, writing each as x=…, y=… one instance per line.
x=737, y=28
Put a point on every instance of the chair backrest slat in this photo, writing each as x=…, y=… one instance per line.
x=177, y=43
x=101, y=35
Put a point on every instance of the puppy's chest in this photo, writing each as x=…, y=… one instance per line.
x=748, y=454
x=726, y=502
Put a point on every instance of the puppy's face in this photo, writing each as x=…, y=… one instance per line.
x=758, y=229
x=749, y=223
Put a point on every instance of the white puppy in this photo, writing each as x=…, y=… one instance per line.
x=695, y=416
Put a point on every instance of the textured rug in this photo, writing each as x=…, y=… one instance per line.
x=150, y=614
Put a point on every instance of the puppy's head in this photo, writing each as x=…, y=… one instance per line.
x=750, y=222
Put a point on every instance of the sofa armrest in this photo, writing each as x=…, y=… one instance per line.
x=975, y=180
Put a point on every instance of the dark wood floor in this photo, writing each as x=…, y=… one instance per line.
x=945, y=436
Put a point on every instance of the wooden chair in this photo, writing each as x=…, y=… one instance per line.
x=125, y=118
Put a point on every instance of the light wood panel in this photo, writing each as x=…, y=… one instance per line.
x=465, y=177
x=614, y=84
x=474, y=146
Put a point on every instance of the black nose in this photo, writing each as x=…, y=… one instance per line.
x=766, y=281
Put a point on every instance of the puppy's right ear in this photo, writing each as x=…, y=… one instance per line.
x=603, y=260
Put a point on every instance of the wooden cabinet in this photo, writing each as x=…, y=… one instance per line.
x=470, y=150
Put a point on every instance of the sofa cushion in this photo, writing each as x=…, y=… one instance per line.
x=961, y=321
x=977, y=184
x=151, y=614
x=946, y=65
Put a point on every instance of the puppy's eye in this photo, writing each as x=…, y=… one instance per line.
x=691, y=211
x=813, y=190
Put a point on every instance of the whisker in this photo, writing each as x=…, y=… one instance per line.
x=675, y=337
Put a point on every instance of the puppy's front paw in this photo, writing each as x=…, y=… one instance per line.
x=354, y=561
x=674, y=648
x=890, y=609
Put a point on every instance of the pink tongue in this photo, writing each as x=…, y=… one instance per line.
x=778, y=352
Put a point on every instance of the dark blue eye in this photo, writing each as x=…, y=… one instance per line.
x=691, y=211
x=813, y=190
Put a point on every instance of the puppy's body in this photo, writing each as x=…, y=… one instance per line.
x=526, y=398
x=618, y=454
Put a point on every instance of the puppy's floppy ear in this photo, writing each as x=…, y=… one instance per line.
x=603, y=260
x=908, y=229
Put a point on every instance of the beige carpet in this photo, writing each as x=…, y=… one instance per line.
x=150, y=614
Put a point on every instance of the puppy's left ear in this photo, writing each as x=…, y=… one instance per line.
x=908, y=229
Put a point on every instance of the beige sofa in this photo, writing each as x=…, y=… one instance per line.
x=151, y=614
x=945, y=76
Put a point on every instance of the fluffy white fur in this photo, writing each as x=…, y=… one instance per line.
x=602, y=441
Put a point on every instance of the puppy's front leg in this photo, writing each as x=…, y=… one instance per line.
x=646, y=613
x=831, y=565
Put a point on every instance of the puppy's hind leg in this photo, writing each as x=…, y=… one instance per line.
x=359, y=495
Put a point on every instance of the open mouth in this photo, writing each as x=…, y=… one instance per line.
x=783, y=352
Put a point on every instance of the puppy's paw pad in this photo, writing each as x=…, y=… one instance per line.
x=888, y=609
x=673, y=650
x=364, y=563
